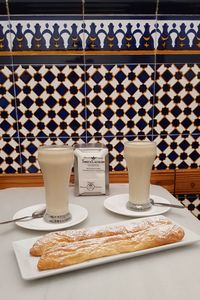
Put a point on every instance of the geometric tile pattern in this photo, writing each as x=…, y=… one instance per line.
x=119, y=99
x=29, y=151
x=22, y=157
x=44, y=104
x=115, y=147
x=192, y=202
x=50, y=100
x=10, y=158
x=112, y=104
x=177, y=151
x=177, y=93
x=8, y=117
x=173, y=152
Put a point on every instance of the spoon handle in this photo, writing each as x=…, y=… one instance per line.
x=168, y=204
x=35, y=215
x=14, y=220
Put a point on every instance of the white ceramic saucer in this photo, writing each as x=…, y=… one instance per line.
x=117, y=204
x=78, y=213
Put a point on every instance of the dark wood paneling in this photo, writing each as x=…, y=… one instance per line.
x=188, y=181
x=185, y=181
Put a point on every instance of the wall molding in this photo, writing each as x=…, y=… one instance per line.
x=186, y=181
x=100, y=52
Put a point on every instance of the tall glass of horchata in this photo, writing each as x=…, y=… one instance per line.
x=56, y=164
x=140, y=156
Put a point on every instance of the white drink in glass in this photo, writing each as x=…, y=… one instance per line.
x=56, y=163
x=140, y=156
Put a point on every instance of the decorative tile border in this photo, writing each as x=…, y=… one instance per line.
x=99, y=33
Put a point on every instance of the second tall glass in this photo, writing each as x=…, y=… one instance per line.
x=140, y=156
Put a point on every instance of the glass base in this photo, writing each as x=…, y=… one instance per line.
x=57, y=219
x=138, y=207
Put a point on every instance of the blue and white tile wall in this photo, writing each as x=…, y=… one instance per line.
x=109, y=71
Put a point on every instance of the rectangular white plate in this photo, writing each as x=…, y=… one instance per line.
x=28, y=264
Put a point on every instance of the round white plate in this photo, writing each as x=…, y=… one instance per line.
x=117, y=204
x=78, y=213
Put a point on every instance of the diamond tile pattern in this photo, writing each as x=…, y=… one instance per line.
x=10, y=158
x=177, y=107
x=8, y=120
x=51, y=100
x=192, y=202
x=119, y=99
x=177, y=152
x=41, y=104
x=115, y=147
x=29, y=150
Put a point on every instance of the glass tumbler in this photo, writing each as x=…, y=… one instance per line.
x=56, y=163
x=140, y=156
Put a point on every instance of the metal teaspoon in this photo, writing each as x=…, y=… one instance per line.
x=166, y=204
x=36, y=214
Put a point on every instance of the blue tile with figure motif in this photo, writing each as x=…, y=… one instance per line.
x=47, y=33
x=178, y=32
x=101, y=33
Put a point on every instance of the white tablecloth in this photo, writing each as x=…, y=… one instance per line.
x=169, y=275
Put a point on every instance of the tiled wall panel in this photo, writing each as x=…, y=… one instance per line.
x=99, y=71
x=106, y=102
x=191, y=202
x=118, y=99
x=135, y=97
x=51, y=100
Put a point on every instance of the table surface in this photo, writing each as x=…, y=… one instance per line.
x=172, y=274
